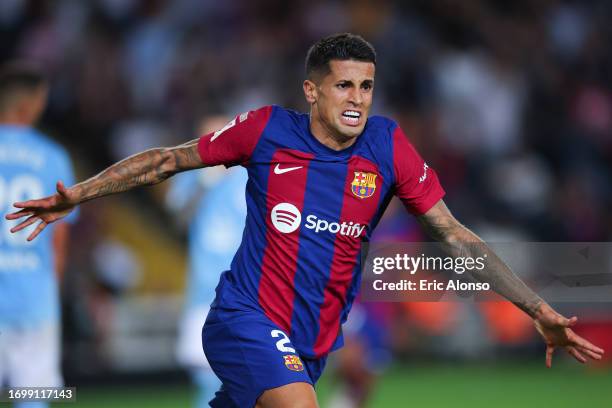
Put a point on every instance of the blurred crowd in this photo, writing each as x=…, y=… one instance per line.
x=510, y=102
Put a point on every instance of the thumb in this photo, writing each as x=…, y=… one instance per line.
x=570, y=322
x=61, y=189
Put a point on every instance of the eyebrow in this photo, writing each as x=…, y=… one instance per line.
x=365, y=81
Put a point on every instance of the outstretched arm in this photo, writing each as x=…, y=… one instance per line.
x=460, y=241
x=554, y=328
x=146, y=168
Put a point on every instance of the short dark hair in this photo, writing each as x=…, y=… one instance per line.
x=344, y=46
x=16, y=78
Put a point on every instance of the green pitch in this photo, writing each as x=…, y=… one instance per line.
x=495, y=385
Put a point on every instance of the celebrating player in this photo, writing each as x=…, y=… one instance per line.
x=30, y=164
x=318, y=184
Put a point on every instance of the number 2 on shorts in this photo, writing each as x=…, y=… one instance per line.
x=281, y=344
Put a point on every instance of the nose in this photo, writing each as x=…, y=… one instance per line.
x=355, y=97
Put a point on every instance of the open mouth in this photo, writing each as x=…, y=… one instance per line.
x=351, y=117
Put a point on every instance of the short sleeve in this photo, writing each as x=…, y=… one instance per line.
x=235, y=143
x=416, y=183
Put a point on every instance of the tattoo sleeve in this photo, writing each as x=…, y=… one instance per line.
x=458, y=240
x=146, y=168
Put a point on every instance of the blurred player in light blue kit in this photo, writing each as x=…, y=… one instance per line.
x=30, y=165
x=216, y=199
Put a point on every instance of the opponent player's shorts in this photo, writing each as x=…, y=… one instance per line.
x=250, y=355
x=189, y=343
x=372, y=331
x=30, y=357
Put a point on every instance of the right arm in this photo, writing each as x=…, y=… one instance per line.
x=146, y=168
x=229, y=146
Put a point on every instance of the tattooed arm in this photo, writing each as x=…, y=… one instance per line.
x=146, y=168
x=460, y=241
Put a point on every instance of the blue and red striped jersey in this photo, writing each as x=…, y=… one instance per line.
x=309, y=208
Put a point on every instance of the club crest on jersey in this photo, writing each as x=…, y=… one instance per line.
x=364, y=184
x=293, y=362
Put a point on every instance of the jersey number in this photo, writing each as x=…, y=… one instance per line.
x=281, y=345
x=19, y=188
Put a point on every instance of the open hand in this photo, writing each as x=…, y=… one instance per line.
x=46, y=210
x=555, y=329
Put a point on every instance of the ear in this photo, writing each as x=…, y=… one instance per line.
x=310, y=91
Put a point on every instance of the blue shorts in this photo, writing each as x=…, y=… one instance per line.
x=250, y=354
x=370, y=328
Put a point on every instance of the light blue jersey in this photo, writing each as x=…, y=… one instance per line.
x=216, y=230
x=30, y=166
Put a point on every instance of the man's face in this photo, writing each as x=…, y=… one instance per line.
x=341, y=100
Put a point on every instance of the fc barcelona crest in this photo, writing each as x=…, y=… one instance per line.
x=293, y=362
x=364, y=184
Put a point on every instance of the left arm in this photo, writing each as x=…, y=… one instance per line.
x=554, y=328
x=460, y=241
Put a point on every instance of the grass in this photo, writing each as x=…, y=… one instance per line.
x=494, y=385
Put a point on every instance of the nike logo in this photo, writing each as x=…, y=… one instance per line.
x=278, y=170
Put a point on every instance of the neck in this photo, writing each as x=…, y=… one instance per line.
x=12, y=118
x=328, y=137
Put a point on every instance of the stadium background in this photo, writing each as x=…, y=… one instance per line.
x=510, y=102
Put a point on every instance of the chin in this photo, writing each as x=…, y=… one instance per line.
x=351, y=132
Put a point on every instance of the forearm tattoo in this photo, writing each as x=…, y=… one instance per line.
x=458, y=240
x=147, y=168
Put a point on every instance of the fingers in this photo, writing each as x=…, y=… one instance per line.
x=549, y=355
x=583, y=344
x=29, y=221
x=590, y=354
x=42, y=203
x=37, y=231
x=18, y=214
x=579, y=347
x=25, y=224
x=576, y=354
